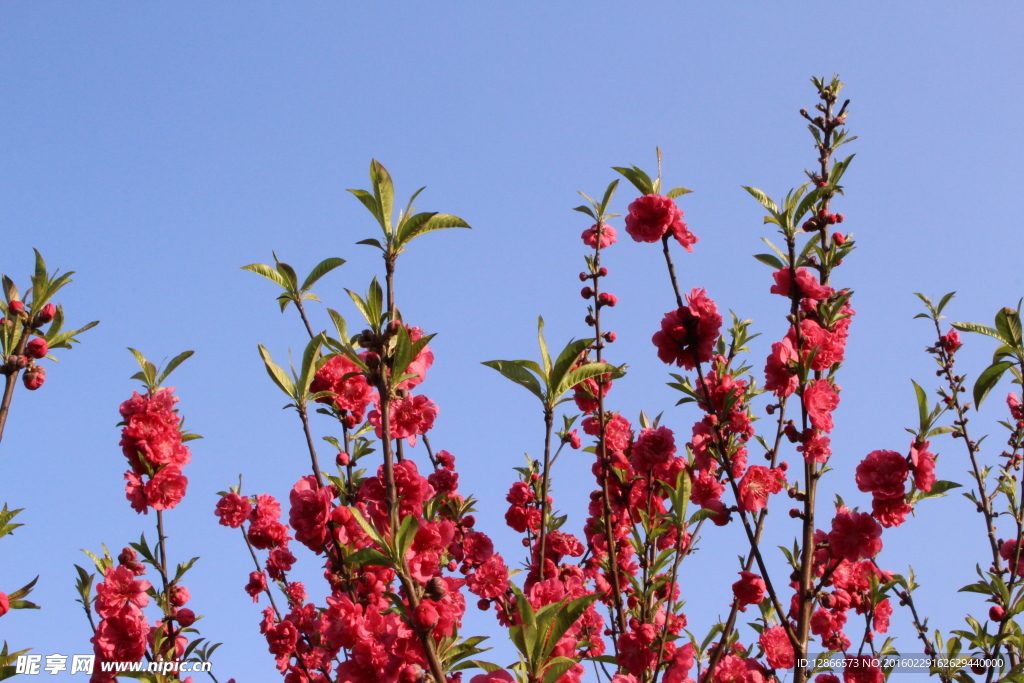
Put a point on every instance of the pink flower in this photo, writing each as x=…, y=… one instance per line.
x=757, y=484
x=136, y=493
x=862, y=669
x=233, y=509
x=257, y=584
x=490, y=580
x=805, y=282
x=606, y=232
x=310, y=511
x=950, y=341
x=493, y=677
x=1008, y=551
x=854, y=535
x=420, y=364
x=816, y=448
x=890, y=512
x=5, y=604
x=410, y=417
x=688, y=334
x=778, y=650
x=653, y=215
x=821, y=399
x=780, y=377
x=166, y=489
x=344, y=380
x=749, y=590
x=652, y=447
x=922, y=463
x=883, y=610
x=121, y=638
x=882, y=474
x=120, y=592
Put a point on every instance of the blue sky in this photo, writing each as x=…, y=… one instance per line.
x=154, y=149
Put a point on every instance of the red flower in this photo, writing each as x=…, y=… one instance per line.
x=351, y=393
x=862, y=669
x=821, y=399
x=778, y=650
x=5, y=604
x=854, y=535
x=166, y=489
x=121, y=638
x=757, y=484
x=749, y=590
x=120, y=592
x=490, y=579
x=257, y=584
x=923, y=464
x=779, y=376
x=806, y=284
x=688, y=334
x=652, y=447
x=605, y=231
x=310, y=510
x=882, y=474
x=890, y=512
x=653, y=215
x=233, y=510
x=410, y=417
x=816, y=448
x=883, y=610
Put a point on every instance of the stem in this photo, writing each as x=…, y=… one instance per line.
x=305, y=320
x=309, y=444
x=671, y=270
x=12, y=380
x=549, y=417
x=618, y=622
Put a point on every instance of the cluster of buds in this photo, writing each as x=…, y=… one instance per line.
x=822, y=220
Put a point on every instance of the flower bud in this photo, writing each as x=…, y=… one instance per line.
x=840, y=218
x=484, y=604
x=34, y=377
x=587, y=292
x=602, y=271
x=606, y=299
x=832, y=220
x=186, y=617
x=342, y=459
x=37, y=347
x=839, y=238
x=583, y=277
x=127, y=557
x=425, y=616
x=996, y=613
x=179, y=595
x=469, y=521
x=46, y=315
x=436, y=588
x=610, y=337
x=16, y=306
x=372, y=360
x=822, y=213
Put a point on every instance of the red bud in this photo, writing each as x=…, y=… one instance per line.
x=342, y=459
x=37, y=347
x=17, y=306
x=46, y=315
x=34, y=377
x=186, y=617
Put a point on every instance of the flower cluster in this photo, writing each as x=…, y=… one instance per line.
x=152, y=442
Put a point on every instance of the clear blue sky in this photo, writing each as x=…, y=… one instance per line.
x=155, y=148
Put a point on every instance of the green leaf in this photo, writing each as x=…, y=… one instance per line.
x=375, y=300
x=309, y=362
x=324, y=267
x=641, y=181
x=922, y=406
x=581, y=374
x=384, y=192
x=988, y=379
x=276, y=373
x=544, y=355
x=175, y=362
x=518, y=374
x=568, y=616
x=677, y=192
x=557, y=373
x=557, y=667
x=761, y=197
x=980, y=329
x=370, y=203
x=770, y=260
x=368, y=556
x=267, y=272
x=372, y=243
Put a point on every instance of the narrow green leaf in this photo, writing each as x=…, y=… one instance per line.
x=988, y=379
x=267, y=272
x=544, y=355
x=922, y=406
x=370, y=203
x=384, y=192
x=518, y=374
x=770, y=260
x=322, y=268
x=175, y=362
x=981, y=329
x=761, y=197
x=276, y=373
x=677, y=192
